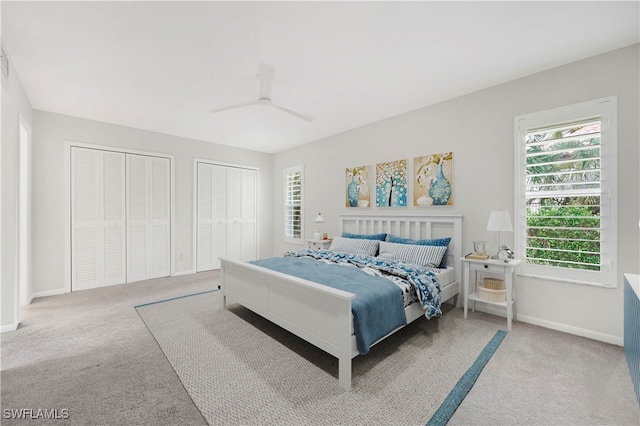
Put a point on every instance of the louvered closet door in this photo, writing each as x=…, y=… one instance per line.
x=148, y=217
x=212, y=215
x=226, y=214
x=241, y=225
x=97, y=218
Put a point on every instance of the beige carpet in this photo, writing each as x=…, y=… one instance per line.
x=240, y=369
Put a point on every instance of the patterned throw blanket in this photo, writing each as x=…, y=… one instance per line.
x=422, y=278
x=377, y=309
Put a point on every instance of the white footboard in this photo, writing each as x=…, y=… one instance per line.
x=319, y=314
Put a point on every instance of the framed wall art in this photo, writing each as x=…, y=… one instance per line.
x=358, y=193
x=433, y=180
x=391, y=184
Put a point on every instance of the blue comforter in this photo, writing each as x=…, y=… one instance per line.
x=377, y=308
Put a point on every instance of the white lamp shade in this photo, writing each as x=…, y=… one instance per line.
x=319, y=219
x=499, y=221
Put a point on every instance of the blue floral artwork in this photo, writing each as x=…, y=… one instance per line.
x=433, y=180
x=357, y=185
x=391, y=184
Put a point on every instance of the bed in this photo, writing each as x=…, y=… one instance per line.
x=322, y=315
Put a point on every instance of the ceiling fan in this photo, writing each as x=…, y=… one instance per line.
x=266, y=80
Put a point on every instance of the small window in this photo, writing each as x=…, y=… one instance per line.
x=293, y=204
x=564, y=193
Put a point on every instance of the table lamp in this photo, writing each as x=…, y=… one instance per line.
x=499, y=221
x=317, y=235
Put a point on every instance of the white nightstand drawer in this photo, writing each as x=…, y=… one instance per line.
x=319, y=244
x=499, y=269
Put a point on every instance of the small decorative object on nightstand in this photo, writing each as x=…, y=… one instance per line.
x=490, y=293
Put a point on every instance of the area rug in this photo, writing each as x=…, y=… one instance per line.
x=241, y=369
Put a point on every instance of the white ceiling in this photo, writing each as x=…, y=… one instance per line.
x=161, y=66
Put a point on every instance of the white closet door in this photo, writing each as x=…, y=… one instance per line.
x=249, y=213
x=114, y=241
x=160, y=217
x=242, y=214
x=148, y=217
x=212, y=216
x=220, y=215
x=205, y=218
x=226, y=198
x=234, y=224
x=97, y=216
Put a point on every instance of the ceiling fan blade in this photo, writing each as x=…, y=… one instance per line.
x=235, y=106
x=267, y=73
x=291, y=111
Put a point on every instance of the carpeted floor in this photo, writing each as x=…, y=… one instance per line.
x=89, y=352
x=241, y=369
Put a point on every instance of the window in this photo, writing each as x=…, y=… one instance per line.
x=565, y=193
x=293, y=197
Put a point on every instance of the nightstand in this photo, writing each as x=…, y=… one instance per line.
x=492, y=267
x=319, y=244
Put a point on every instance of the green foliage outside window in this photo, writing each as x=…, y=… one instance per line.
x=565, y=236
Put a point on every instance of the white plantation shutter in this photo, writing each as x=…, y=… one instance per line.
x=226, y=206
x=97, y=216
x=148, y=218
x=293, y=204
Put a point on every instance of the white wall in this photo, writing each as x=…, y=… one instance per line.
x=51, y=131
x=14, y=104
x=478, y=128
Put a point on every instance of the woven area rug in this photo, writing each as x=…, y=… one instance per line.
x=241, y=369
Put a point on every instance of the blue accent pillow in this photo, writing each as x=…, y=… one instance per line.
x=434, y=242
x=379, y=237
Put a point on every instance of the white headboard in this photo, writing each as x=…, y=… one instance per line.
x=418, y=227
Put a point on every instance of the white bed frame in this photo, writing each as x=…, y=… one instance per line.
x=319, y=314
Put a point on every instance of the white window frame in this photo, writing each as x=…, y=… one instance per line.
x=289, y=171
x=604, y=109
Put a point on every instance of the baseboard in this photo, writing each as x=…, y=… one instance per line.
x=9, y=327
x=49, y=293
x=187, y=272
x=577, y=331
x=569, y=329
x=63, y=291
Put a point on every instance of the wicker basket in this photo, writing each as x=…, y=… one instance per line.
x=491, y=295
x=493, y=283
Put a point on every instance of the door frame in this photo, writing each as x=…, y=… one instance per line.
x=194, y=250
x=25, y=291
x=67, y=193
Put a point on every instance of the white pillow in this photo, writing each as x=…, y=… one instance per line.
x=414, y=254
x=355, y=246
